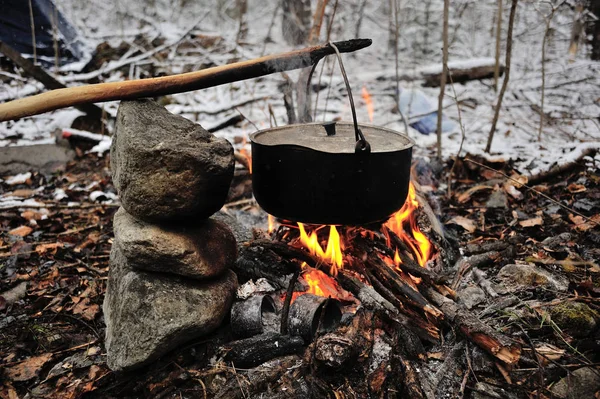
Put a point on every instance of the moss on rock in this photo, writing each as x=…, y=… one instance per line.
x=576, y=318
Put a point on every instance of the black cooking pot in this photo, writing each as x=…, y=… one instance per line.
x=318, y=173
x=328, y=173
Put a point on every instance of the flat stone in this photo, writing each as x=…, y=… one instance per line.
x=497, y=200
x=517, y=277
x=148, y=314
x=46, y=158
x=471, y=296
x=582, y=383
x=576, y=318
x=204, y=250
x=167, y=168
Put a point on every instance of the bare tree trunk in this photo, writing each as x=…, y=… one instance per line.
x=511, y=22
x=296, y=21
x=242, y=9
x=392, y=43
x=443, y=78
x=32, y=23
x=498, y=44
x=594, y=29
x=576, y=31
x=548, y=22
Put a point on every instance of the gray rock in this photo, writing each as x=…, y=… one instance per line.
x=148, y=314
x=242, y=233
x=516, y=277
x=576, y=318
x=167, y=168
x=497, y=200
x=471, y=296
x=582, y=383
x=206, y=249
x=47, y=158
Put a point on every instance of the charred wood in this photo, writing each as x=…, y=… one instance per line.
x=251, y=352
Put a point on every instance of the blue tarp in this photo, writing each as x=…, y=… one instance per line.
x=15, y=30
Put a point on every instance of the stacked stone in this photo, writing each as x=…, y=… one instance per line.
x=170, y=279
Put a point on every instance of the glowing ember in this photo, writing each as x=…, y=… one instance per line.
x=418, y=243
x=369, y=102
x=333, y=252
x=319, y=284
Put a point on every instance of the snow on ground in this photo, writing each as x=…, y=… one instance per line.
x=572, y=99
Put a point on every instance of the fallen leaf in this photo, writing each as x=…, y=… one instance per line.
x=464, y=197
x=576, y=188
x=27, y=369
x=21, y=231
x=43, y=248
x=23, y=193
x=87, y=311
x=583, y=224
x=465, y=223
x=537, y=221
x=547, y=352
x=513, y=192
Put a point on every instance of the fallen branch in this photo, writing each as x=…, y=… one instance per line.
x=483, y=335
x=165, y=85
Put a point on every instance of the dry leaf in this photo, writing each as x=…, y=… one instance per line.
x=547, y=352
x=23, y=193
x=465, y=223
x=21, y=231
x=28, y=369
x=43, y=248
x=583, y=224
x=518, y=180
x=464, y=197
x=513, y=192
x=576, y=188
x=87, y=311
x=537, y=221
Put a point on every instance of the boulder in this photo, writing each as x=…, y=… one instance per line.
x=167, y=168
x=518, y=277
x=582, y=383
x=576, y=318
x=148, y=314
x=202, y=251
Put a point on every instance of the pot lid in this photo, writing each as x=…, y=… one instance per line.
x=333, y=137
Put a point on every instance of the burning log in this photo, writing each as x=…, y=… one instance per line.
x=484, y=336
x=310, y=313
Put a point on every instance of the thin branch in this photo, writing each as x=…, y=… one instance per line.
x=462, y=135
x=511, y=22
x=443, y=79
x=498, y=42
x=397, y=34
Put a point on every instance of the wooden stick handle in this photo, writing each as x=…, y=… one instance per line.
x=161, y=86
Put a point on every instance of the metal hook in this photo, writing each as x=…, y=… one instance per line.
x=361, y=143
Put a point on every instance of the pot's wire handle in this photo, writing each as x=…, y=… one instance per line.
x=362, y=145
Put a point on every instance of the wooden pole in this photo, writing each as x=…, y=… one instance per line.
x=161, y=86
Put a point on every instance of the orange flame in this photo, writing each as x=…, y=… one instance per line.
x=415, y=239
x=271, y=220
x=318, y=282
x=369, y=102
x=332, y=253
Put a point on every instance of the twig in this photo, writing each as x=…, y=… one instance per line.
x=443, y=79
x=244, y=116
x=32, y=24
x=511, y=23
x=535, y=191
x=498, y=40
x=397, y=97
x=286, y=304
x=462, y=135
